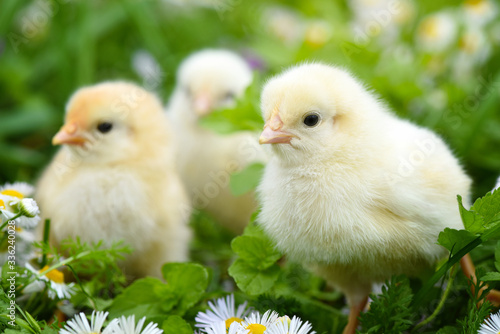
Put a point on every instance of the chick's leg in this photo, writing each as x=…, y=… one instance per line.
x=352, y=322
x=470, y=272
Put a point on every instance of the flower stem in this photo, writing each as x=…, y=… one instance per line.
x=62, y=263
x=440, y=306
x=46, y=230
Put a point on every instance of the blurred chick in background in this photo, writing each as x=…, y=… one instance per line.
x=115, y=178
x=351, y=190
x=206, y=81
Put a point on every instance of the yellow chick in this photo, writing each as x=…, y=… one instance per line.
x=115, y=178
x=351, y=190
x=209, y=80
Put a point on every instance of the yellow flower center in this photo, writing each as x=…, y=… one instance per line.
x=2, y=204
x=12, y=193
x=231, y=320
x=473, y=2
x=54, y=275
x=430, y=28
x=256, y=329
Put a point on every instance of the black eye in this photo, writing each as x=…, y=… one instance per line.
x=229, y=96
x=311, y=119
x=104, y=127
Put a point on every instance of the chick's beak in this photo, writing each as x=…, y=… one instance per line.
x=202, y=104
x=69, y=135
x=273, y=134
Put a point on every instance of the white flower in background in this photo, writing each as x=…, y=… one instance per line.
x=146, y=66
x=66, y=307
x=55, y=281
x=287, y=326
x=473, y=49
x=12, y=200
x=381, y=19
x=479, y=12
x=437, y=98
x=285, y=24
x=475, y=45
x=257, y=324
x=80, y=324
x=498, y=184
x=318, y=33
x=33, y=20
x=223, y=310
x=436, y=32
x=22, y=188
x=126, y=325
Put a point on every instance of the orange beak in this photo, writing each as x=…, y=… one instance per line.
x=69, y=135
x=202, y=104
x=273, y=134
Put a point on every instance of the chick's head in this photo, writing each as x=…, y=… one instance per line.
x=212, y=79
x=111, y=122
x=312, y=110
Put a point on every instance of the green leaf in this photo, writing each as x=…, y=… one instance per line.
x=186, y=283
x=176, y=325
x=246, y=180
x=497, y=256
x=390, y=312
x=454, y=240
x=145, y=297
x=488, y=207
x=186, y=280
x=245, y=116
x=251, y=280
x=258, y=252
x=472, y=221
x=491, y=276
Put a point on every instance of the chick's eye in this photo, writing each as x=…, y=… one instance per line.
x=229, y=96
x=104, y=127
x=311, y=120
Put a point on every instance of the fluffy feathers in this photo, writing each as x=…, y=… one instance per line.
x=208, y=80
x=359, y=196
x=115, y=177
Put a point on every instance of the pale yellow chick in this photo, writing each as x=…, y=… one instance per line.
x=206, y=81
x=115, y=178
x=351, y=190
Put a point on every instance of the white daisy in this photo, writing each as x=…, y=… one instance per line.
x=223, y=310
x=257, y=324
x=219, y=327
x=497, y=185
x=491, y=325
x=126, y=325
x=437, y=31
x=55, y=279
x=479, y=12
x=80, y=324
x=318, y=33
x=284, y=23
x=25, y=189
x=293, y=326
x=10, y=200
x=28, y=207
x=22, y=221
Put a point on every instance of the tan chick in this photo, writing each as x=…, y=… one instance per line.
x=351, y=190
x=115, y=178
x=206, y=81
